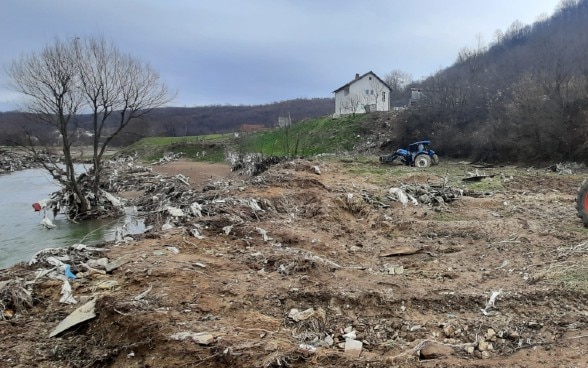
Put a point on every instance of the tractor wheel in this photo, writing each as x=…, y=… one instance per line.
x=582, y=202
x=435, y=159
x=422, y=160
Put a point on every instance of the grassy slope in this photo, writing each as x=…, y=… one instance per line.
x=306, y=138
x=153, y=148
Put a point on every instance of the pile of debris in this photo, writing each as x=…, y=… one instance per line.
x=63, y=265
x=567, y=168
x=11, y=161
x=121, y=174
x=168, y=157
x=434, y=195
x=252, y=164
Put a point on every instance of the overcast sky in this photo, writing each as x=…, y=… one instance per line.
x=261, y=51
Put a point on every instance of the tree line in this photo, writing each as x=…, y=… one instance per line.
x=172, y=121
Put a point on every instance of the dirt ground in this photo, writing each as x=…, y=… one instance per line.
x=320, y=262
x=200, y=174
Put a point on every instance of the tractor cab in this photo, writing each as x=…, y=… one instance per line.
x=417, y=148
x=418, y=154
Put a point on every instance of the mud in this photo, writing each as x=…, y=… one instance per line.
x=412, y=284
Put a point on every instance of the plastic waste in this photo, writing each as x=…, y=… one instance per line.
x=68, y=273
x=47, y=223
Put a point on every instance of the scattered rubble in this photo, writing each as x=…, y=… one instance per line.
x=568, y=168
x=253, y=164
x=82, y=314
x=293, y=268
x=168, y=157
x=11, y=161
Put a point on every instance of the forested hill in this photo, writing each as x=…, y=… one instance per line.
x=175, y=121
x=524, y=97
x=181, y=121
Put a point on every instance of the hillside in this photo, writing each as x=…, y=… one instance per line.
x=363, y=134
x=521, y=98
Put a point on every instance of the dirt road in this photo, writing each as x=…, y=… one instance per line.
x=304, y=269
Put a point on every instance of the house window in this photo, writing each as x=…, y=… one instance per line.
x=367, y=91
x=383, y=96
x=370, y=78
x=372, y=92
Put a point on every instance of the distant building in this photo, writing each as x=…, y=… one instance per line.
x=415, y=95
x=365, y=93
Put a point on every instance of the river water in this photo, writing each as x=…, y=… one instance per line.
x=22, y=235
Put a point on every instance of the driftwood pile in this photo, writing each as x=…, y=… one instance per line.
x=121, y=174
x=253, y=164
x=170, y=202
x=425, y=194
x=433, y=195
x=11, y=161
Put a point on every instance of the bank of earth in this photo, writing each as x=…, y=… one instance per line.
x=331, y=270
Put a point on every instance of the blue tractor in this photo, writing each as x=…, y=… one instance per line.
x=418, y=154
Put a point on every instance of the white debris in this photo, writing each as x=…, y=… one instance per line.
x=80, y=246
x=143, y=294
x=112, y=199
x=399, y=194
x=118, y=235
x=83, y=313
x=263, y=234
x=174, y=250
x=202, y=338
x=317, y=170
x=329, y=340
x=298, y=316
x=47, y=223
x=412, y=199
x=167, y=226
x=196, y=209
x=99, y=263
x=55, y=261
x=227, y=229
x=307, y=348
x=353, y=347
x=491, y=301
x=351, y=335
x=66, y=292
x=254, y=205
x=174, y=211
x=196, y=233
x=182, y=178
x=35, y=259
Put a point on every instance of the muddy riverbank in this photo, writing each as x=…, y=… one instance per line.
x=317, y=263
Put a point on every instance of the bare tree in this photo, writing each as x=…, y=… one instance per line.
x=397, y=80
x=115, y=86
x=49, y=81
x=80, y=76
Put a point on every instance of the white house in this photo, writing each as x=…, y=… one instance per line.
x=365, y=93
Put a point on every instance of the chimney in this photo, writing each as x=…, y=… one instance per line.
x=356, y=75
